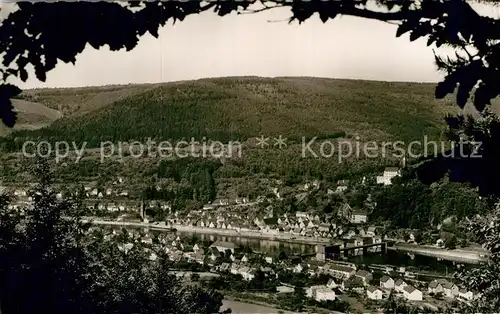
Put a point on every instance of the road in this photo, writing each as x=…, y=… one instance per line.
x=458, y=255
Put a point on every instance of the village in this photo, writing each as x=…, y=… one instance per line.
x=328, y=280
x=348, y=229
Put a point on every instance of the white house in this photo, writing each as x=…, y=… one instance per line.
x=320, y=293
x=301, y=215
x=412, y=294
x=387, y=282
x=340, y=271
x=388, y=175
x=342, y=186
x=196, y=248
x=435, y=287
x=298, y=268
x=331, y=284
x=374, y=293
x=465, y=294
x=359, y=217
x=324, y=227
x=450, y=290
x=247, y=273
x=324, y=294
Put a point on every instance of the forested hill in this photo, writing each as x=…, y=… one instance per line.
x=239, y=108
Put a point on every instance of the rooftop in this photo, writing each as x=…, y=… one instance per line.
x=372, y=289
x=409, y=289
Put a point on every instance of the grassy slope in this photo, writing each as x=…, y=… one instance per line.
x=244, y=107
x=31, y=115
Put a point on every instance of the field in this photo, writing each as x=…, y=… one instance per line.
x=31, y=116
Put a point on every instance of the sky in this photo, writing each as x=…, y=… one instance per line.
x=262, y=44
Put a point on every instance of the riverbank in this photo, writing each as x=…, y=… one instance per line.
x=213, y=231
x=457, y=255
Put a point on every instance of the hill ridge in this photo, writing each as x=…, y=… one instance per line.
x=242, y=107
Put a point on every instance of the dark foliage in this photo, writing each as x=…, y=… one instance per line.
x=51, y=261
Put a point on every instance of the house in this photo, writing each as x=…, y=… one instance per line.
x=450, y=290
x=374, y=293
x=224, y=267
x=340, y=271
x=387, y=282
x=298, y=268
x=342, y=186
x=371, y=231
x=208, y=207
x=301, y=215
x=345, y=211
x=235, y=269
x=399, y=285
x=199, y=257
x=247, y=273
x=388, y=175
x=332, y=284
x=435, y=287
x=359, y=216
x=366, y=276
x=354, y=284
x=224, y=246
x=220, y=202
x=215, y=254
x=464, y=294
x=320, y=293
x=268, y=271
x=412, y=294
x=324, y=227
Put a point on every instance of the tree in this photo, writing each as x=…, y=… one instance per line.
x=296, y=301
x=396, y=306
x=195, y=277
x=283, y=256
x=484, y=280
x=450, y=241
x=50, y=259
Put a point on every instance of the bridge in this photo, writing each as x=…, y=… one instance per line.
x=337, y=250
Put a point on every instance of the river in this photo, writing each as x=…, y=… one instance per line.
x=274, y=247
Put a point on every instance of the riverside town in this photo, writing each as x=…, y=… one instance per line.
x=250, y=157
